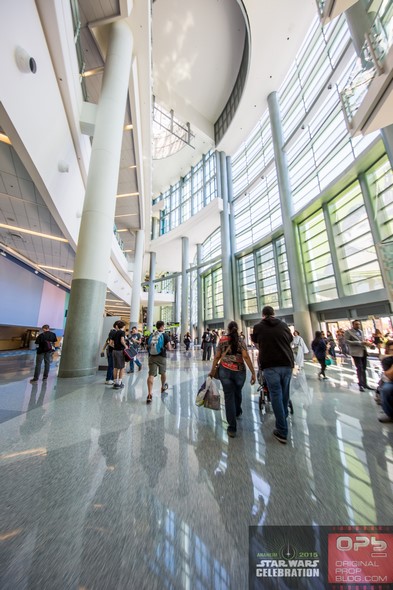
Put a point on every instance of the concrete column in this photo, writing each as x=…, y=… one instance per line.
x=199, y=293
x=137, y=278
x=226, y=245
x=185, y=263
x=359, y=21
x=300, y=308
x=150, y=299
x=178, y=300
x=190, y=303
x=88, y=290
x=155, y=228
x=232, y=236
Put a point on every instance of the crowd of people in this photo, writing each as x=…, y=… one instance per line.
x=281, y=355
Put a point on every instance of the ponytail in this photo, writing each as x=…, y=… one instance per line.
x=233, y=337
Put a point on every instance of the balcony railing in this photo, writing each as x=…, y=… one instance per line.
x=370, y=63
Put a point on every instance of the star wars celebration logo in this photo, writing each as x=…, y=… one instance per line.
x=288, y=562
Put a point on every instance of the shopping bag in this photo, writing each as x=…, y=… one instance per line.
x=212, y=397
x=202, y=392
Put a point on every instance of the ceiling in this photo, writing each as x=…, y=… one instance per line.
x=197, y=49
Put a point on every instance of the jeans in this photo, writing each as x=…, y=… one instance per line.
x=207, y=351
x=322, y=362
x=278, y=380
x=46, y=357
x=361, y=366
x=232, y=383
x=109, y=372
x=137, y=362
x=387, y=398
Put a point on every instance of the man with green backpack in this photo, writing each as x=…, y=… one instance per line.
x=157, y=345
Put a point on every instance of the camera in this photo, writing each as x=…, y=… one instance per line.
x=25, y=62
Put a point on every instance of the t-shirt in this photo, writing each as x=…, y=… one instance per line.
x=50, y=336
x=234, y=362
x=387, y=362
x=117, y=340
x=135, y=339
x=111, y=336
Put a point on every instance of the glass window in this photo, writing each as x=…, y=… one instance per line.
x=317, y=260
x=380, y=183
x=356, y=253
x=247, y=284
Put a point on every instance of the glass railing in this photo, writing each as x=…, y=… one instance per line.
x=321, y=6
x=78, y=46
x=370, y=63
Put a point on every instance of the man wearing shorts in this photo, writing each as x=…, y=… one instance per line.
x=157, y=364
x=119, y=344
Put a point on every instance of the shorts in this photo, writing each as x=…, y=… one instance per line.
x=157, y=364
x=118, y=359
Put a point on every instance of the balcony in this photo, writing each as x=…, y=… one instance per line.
x=329, y=9
x=367, y=97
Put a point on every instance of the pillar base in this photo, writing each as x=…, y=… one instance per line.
x=79, y=354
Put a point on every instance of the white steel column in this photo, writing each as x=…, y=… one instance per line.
x=88, y=290
x=137, y=277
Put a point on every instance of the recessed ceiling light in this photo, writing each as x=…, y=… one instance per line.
x=54, y=268
x=127, y=215
x=5, y=139
x=128, y=127
x=127, y=195
x=33, y=233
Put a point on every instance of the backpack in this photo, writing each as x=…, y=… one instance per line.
x=47, y=345
x=156, y=343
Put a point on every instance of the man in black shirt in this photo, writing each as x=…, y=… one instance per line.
x=118, y=343
x=273, y=338
x=45, y=342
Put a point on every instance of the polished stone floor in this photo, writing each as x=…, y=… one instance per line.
x=100, y=491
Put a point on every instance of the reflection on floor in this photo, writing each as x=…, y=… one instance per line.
x=100, y=491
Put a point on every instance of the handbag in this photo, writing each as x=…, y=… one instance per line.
x=328, y=361
x=129, y=353
x=215, y=375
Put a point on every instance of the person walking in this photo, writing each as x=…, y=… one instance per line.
x=45, y=342
x=299, y=350
x=319, y=348
x=358, y=350
x=187, y=341
x=233, y=356
x=274, y=338
x=118, y=342
x=134, y=339
x=109, y=356
x=207, y=345
x=157, y=346
x=331, y=343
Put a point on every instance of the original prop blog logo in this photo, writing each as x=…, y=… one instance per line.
x=360, y=558
x=288, y=563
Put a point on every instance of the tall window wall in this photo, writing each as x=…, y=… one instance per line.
x=263, y=278
x=212, y=293
x=380, y=182
x=319, y=147
x=189, y=195
x=355, y=260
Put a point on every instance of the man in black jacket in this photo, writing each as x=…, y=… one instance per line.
x=45, y=342
x=273, y=338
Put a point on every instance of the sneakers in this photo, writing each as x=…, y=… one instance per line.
x=164, y=388
x=384, y=418
x=118, y=385
x=361, y=388
x=231, y=433
x=140, y=368
x=33, y=380
x=109, y=382
x=280, y=437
